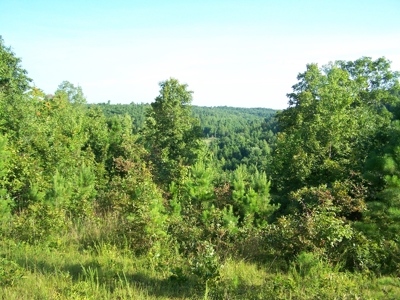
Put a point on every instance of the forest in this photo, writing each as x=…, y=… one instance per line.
x=173, y=201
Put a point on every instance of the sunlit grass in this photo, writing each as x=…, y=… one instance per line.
x=79, y=269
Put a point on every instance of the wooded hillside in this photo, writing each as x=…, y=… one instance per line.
x=169, y=200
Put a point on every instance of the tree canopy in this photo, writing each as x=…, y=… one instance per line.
x=172, y=133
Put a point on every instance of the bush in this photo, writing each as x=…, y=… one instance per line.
x=39, y=222
x=10, y=272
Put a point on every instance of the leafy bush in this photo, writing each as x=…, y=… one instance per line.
x=317, y=228
x=38, y=223
x=10, y=272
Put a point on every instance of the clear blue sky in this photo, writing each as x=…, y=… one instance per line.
x=235, y=53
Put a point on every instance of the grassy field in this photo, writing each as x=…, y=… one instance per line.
x=75, y=267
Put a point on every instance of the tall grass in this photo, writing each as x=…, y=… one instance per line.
x=90, y=263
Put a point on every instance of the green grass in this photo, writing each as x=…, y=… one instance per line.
x=77, y=269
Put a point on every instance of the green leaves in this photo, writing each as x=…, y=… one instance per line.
x=336, y=157
x=73, y=94
x=13, y=79
x=332, y=122
x=171, y=133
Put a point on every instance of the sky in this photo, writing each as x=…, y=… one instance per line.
x=234, y=53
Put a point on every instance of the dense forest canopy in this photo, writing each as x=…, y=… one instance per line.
x=190, y=188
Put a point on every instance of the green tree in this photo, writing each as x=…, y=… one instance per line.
x=13, y=78
x=334, y=119
x=5, y=201
x=74, y=93
x=14, y=82
x=172, y=134
x=381, y=220
x=132, y=195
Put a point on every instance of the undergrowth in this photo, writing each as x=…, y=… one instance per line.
x=80, y=268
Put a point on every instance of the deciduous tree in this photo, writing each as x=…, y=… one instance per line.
x=172, y=134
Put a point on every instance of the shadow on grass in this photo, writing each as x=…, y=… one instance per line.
x=111, y=280
x=165, y=287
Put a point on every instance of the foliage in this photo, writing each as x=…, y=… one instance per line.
x=317, y=227
x=239, y=136
x=74, y=94
x=250, y=195
x=206, y=265
x=10, y=272
x=14, y=82
x=172, y=201
x=39, y=223
x=172, y=134
x=5, y=202
x=332, y=123
x=135, y=198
